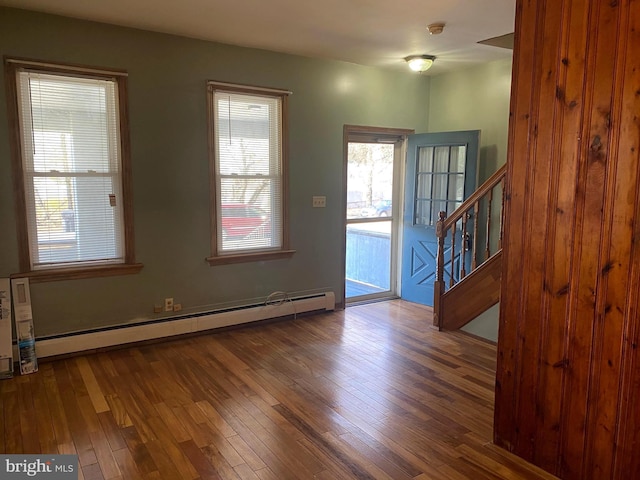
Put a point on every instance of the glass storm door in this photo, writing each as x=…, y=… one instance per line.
x=372, y=218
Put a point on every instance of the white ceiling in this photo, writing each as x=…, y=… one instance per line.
x=368, y=32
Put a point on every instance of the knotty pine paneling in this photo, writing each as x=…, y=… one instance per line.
x=567, y=350
x=628, y=434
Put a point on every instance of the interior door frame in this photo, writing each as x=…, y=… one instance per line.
x=350, y=131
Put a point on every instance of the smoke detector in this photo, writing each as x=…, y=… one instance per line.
x=435, y=28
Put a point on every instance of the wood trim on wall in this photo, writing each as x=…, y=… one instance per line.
x=12, y=65
x=127, y=172
x=15, y=142
x=247, y=256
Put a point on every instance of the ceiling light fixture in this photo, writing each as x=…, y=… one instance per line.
x=420, y=63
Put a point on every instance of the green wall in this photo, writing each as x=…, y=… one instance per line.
x=167, y=101
x=476, y=98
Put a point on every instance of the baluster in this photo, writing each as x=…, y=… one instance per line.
x=487, y=252
x=476, y=209
x=463, y=248
x=438, y=287
x=440, y=234
x=453, y=255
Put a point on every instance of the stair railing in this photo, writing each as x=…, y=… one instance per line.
x=466, y=258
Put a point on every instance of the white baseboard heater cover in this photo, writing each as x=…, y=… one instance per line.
x=123, y=334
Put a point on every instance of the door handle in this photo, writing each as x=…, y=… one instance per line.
x=467, y=242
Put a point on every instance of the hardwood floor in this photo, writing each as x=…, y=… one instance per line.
x=372, y=392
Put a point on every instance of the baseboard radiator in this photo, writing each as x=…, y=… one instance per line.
x=169, y=327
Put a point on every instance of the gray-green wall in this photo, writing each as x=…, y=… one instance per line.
x=476, y=98
x=167, y=76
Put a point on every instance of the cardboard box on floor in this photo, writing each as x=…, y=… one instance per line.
x=6, y=348
x=24, y=325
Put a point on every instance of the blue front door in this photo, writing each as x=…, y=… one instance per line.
x=440, y=175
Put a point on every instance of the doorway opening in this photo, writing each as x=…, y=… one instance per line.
x=373, y=167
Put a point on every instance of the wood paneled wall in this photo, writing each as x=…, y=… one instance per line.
x=568, y=376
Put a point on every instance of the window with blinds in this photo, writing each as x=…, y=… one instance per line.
x=248, y=132
x=71, y=166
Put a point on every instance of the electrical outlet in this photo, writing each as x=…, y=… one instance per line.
x=177, y=307
x=157, y=309
x=168, y=304
x=319, y=201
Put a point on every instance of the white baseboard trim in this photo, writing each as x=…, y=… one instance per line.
x=79, y=342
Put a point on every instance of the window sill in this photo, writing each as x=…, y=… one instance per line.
x=37, y=276
x=250, y=257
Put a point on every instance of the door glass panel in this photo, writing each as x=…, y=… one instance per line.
x=451, y=206
x=423, y=212
x=437, y=208
x=440, y=186
x=370, y=241
x=425, y=160
x=456, y=186
x=438, y=189
x=367, y=241
x=369, y=171
x=423, y=185
x=458, y=158
x=441, y=164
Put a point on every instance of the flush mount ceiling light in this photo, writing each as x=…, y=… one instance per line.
x=420, y=63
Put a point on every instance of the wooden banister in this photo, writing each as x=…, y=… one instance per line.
x=489, y=184
x=459, y=269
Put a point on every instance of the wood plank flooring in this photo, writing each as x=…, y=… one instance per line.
x=372, y=392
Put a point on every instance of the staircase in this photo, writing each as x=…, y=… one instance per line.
x=470, y=256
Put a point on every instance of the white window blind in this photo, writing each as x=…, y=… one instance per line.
x=248, y=171
x=72, y=169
